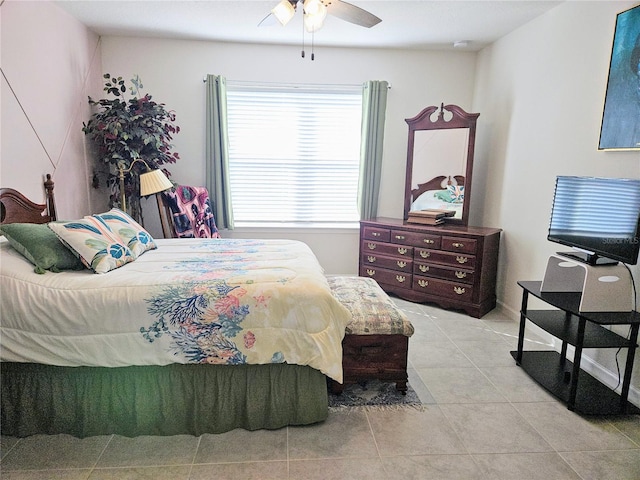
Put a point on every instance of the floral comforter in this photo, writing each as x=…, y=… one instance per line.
x=218, y=301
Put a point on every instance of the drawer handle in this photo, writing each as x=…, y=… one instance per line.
x=371, y=259
x=429, y=241
x=401, y=264
x=371, y=272
x=425, y=254
x=462, y=259
x=402, y=251
x=372, y=246
x=367, y=350
x=400, y=278
x=461, y=274
x=459, y=290
x=399, y=237
x=375, y=234
x=458, y=244
x=423, y=268
x=423, y=283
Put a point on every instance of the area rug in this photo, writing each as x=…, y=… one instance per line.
x=373, y=395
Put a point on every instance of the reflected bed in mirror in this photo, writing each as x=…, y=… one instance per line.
x=440, y=161
x=440, y=193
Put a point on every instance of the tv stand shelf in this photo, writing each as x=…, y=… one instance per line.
x=566, y=329
x=563, y=378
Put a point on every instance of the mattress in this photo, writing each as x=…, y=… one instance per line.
x=190, y=301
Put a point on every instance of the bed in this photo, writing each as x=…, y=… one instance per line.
x=440, y=193
x=194, y=336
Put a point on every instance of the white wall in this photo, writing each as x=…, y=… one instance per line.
x=541, y=91
x=50, y=63
x=173, y=71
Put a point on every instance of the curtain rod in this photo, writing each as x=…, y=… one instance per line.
x=204, y=80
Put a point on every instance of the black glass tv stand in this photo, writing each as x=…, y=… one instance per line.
x=563, y=378
x=589, y=258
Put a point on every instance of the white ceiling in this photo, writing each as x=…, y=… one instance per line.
x=415, y=24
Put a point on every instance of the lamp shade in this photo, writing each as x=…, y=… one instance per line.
x=283, y=11
x=153, y=181
x=314, y=14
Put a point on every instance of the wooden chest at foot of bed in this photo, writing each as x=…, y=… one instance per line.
x=376, y=342
x=381, y=357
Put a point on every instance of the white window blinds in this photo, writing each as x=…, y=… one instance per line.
x=294, y=152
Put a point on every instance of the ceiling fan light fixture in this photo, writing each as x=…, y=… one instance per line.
x=314, y=14
x=284, y=11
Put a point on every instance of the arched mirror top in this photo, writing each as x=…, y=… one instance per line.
x=440, y=161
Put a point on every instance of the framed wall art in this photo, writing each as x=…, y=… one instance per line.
x=620, y=128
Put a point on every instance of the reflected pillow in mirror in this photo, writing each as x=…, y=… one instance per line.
x=456, y=192
x=453, y=194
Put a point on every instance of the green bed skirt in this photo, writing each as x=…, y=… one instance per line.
x=158, y=400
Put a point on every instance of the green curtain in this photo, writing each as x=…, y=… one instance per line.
x=374, y=105
x=217, y=151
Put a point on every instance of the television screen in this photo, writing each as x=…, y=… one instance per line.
x=598, y=216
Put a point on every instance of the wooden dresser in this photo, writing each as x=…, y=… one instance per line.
x=452, y=266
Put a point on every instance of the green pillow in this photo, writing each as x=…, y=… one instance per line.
x=38, y=244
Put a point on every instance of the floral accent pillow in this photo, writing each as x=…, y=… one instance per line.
x=97, y=246
x=131, y=232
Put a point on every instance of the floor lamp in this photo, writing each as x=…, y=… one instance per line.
x=152, y=181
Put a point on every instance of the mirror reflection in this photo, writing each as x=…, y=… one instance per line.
x=445, y=152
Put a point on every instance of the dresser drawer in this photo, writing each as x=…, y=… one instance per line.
x=386, y=249
x=446, y=273
x=394, y=263
x=443, y=288
x=390, y=277
x=464, y=245
x=378, y=234
x=415, y=239
x=447, y=258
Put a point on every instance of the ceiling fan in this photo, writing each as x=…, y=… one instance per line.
x=315, y=12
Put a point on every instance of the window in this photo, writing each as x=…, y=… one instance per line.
x=294, y=153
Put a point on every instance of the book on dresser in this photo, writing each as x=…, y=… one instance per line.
x=432, y=213
x=429, y=216
x=425, y=220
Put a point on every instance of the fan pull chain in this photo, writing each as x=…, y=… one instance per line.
x=302, y=39
x=313, y=55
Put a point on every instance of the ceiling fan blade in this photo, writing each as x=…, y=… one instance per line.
x=351, y=13
x=268, y=21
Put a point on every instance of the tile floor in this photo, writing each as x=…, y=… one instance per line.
x=483, y=419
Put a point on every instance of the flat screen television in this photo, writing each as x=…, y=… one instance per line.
x=598, y=217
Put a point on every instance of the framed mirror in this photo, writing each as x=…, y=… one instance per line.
x=440, y=161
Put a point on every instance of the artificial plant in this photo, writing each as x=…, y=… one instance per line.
x=126, y=130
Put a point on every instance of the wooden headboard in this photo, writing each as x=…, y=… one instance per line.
x=16, y=208
x=436, y=184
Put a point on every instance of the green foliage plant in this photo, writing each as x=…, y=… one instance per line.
x=123, y=130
